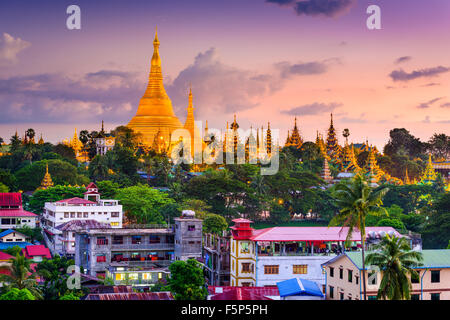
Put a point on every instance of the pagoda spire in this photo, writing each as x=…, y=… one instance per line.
x=47, y=180
x=407, y=180
x=429, y=175
x=269, y=139
x=325, y=175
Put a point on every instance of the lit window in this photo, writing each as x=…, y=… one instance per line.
x=271, y=269
x=146, y=276
x=133, y=276
x=120, y=276
x=300, y=269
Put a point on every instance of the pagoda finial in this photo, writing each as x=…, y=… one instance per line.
x=103, y=126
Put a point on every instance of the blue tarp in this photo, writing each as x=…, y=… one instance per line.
x=298, y=287
x=6, y=245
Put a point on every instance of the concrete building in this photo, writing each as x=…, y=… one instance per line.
x=216, y=255
x=344, y=273
x=139, y=257
x=92, y=207
x=67, y=235
x=188, y=236
x=12, y=215
x=267, y=256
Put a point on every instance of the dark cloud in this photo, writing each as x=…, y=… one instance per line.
x=57, y=98
x=113, y=95
x=401, y=75
x=327, y=8
x=403, y=59
x=312, y=109
x=426, y=105
x=218, y=87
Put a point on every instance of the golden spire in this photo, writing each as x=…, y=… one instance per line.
x=407, y=180
x=47, y=180
x=429, y=174
x=155, y=114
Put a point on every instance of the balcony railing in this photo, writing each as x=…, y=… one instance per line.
x=145, y=263
x=143, y=246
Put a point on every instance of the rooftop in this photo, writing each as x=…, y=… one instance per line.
x=37, y=250
x=82, y=224
x=4, y=256
x=436, y=258
x=16, y=213
x=242, y=293
x=131, y=296
x=75, y=201
x=11, y=199
x=313, y=233
x=9, y=231
x=6, y=245
x=127, y=231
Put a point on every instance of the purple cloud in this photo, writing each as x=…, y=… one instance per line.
x=401, y=75
x=312, y=109
x=402, y=59
x=327, y=8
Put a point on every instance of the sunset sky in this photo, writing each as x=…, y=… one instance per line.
x=265, y=60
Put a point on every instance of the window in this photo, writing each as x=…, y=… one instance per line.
x=415, y=297
x=117, y=240
x=120, y=276
x=245, y=248
x=341, y=296
x=114, y=224
x=341, y=273
x=102, y=241
x=146, y=276
x=72, y=214
x=136, y=239
x=331, y=292
x=66, y=214
x=133, y=276
x=271, y=269
x=85, y=215
x=79, y=214
x=191, y=228
x=372, y=298
x=356, y=279
x=114, y=214
x=101, y=258
x=372, y=279
x=246, y=284
x=415, y=278
x=300, y=269
x=246, y=267
x=435, y=296
x=331, y=272
x=435, y=276
x=350, y=275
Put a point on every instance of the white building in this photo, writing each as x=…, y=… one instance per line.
x=267, y=256
x=12, y=215
x=57, y=213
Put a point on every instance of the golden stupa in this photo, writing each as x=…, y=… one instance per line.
x=155, y=113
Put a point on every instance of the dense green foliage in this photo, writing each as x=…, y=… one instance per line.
x=187, y=281
x=17, y=294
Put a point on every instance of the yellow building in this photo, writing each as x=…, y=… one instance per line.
x=242, y=255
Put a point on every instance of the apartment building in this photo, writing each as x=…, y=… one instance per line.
x=12, y=215
x=91, y=207
x=267, y=256
x=138, y=256
x=344, y=274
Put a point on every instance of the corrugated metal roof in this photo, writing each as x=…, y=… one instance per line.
x=16, y=213
x=6, y=245
x=313, y=233
x=242, y=293
x=11, y=199
x=298, y=287
x=131, y=296
x=83, y=224
x=75, y=201
x=438, y=258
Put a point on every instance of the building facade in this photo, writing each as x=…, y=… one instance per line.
x=138, y=257
x=92, y=207
x=344, y=274
x=267, y=256
x=216, y=255
x=12, y=215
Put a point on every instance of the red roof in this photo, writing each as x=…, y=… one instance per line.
x=37, y=250
x=75, y=201
x=312, y=233
x=4, y=256
x=241, y=220
x=91, y=186
x=131, y=296
x=11, y=199
x=16, y=213
x=242, y=293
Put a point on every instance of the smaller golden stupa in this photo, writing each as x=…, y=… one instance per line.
x=47, y=181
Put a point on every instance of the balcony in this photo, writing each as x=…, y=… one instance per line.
x=143, y=246
x=139, y=263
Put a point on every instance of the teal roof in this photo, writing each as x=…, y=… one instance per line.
x=439, y=258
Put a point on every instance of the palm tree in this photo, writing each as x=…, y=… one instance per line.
x=356, y=200
x=395, y=260
x=259, y=184
x=21, y=276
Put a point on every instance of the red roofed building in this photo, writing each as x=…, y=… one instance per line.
x=12, y=215
x=37, y=252
x=267, y=256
